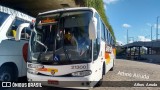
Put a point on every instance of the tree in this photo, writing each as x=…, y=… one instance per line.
x=99, y=6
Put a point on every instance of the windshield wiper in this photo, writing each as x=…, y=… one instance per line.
x=39, y=56
x=66, y=53
x=42, y=45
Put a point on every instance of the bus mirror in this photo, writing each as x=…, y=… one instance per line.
x=92, y=29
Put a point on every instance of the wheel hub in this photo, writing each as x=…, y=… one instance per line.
x=6, y=77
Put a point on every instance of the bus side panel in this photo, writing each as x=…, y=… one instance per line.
x=109, y=57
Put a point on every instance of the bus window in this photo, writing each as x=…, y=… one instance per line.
x=3, y=17
x=112, y=41
x=106, y=34
x=109, y=38
x=12, y=31
x=25, y=34
x=96, y=48
x=102, y=31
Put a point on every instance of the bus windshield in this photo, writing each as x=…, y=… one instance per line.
x=62, y=38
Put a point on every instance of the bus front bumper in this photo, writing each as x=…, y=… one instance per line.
x=66, y=82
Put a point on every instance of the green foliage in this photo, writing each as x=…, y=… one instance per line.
x=99, y=6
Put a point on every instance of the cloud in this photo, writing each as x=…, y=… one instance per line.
x=149, y=24
x=131, y=40
x=105, y=6
x=109, y=1
x=155, y=26
x=126, y=25
x=143, y=39
x=119, y=43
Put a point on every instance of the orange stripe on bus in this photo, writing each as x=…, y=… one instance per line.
x=107, y=57
x=47, y=69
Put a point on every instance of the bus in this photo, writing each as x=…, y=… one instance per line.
x=70, y=48
x=13, y=52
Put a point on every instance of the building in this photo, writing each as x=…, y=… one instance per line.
x=144, y=50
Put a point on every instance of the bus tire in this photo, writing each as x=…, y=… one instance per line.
x=112, y=67
x=7, y=73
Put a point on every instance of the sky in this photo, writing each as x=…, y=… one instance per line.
x=135, y=15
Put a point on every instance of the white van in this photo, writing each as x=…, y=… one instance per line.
x=13, y=53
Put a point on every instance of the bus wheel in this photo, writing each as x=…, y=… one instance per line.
x=6, y=73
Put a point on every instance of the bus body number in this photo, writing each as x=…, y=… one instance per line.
x=79, y=67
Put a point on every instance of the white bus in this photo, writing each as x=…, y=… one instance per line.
x=13, y=53
x=71, y=45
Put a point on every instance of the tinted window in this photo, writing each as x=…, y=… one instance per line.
x=3, y=17
x=96, y=42
x=102, y=31
x=106, y=34
x=13, y=28
x=109, y=38
x=25, y=34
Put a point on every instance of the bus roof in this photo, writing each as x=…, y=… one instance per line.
x=68, y=9
x=16, y=13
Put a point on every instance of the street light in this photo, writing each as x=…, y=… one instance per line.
x=151, y=32
x=127, y=36
x=157, y=29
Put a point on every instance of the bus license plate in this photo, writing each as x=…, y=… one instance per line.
x=55, y=82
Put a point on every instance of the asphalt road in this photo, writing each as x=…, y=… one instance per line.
x=125, y=70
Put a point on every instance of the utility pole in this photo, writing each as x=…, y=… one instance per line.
x=157, y=29
x=151, y=32
x=127, y=36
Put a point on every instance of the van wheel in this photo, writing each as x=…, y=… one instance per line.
x=7, y=74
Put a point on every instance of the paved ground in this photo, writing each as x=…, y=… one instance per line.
x=125, y=70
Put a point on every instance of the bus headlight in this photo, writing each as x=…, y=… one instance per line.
x=82, y=73
x=31, y=71
x=34, y=66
